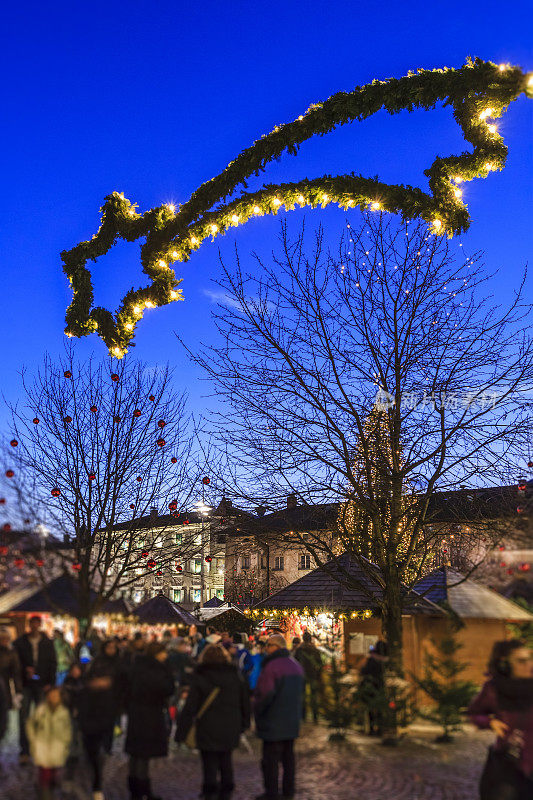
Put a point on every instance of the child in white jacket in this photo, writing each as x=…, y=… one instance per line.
x=49, y=733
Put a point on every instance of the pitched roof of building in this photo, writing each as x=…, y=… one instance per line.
x=467, y=598
x=58, y=596
x=471, y=505
x=323, y=588
x=160, y=610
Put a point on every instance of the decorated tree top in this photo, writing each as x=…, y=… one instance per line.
x=479, y=92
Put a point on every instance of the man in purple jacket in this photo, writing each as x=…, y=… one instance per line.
x=278, y=712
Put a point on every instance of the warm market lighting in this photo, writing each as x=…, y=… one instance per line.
x=137, y=309
x=174, y=254
x=276, y=201
x=375, y=206
x=174, y=295
x=149, y=304
x=487, y=112
x=213, y=228
x=161, y=263
x=128, y=326
x=492, y=128
x=257, y=210
x=235, y=219
x=301, y=198
x=437, y=224
x=117, y=352
x=458, y=193
x=488, y=166
x=194, y=240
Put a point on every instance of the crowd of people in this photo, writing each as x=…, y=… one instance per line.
x=203, y=690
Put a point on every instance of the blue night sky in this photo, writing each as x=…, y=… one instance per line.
x=154, y=98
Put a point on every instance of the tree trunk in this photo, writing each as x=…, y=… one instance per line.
x=392, y=623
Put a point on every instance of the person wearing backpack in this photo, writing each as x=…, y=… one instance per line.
x=218, y=706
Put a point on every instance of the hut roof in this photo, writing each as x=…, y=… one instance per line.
x=160, y=610
x=208, y=613
x=467, y=598
x=520, y=588
x=323, y=588
x=58, y=596
x=215, y=602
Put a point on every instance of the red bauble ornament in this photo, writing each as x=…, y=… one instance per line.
x=503, y=564
x=9, y=473
x=55, y=492
x=4, y=550
x=94, y=409
x=67, y=374
x=522, y=484
x=501, y=547
x=509, y=571
x=185, y=521
x=114, y=377
x=208, y=559
x=161, y=443
x=161, y=423
x=179, y=568
x=151, y=397
x=132, y=505
x=173, y=505
x=145, y=554
x=36, y=420
x=13, y=443
x=206, y=481
x=175, y=514
x=174, y=460
x=520, y=509
x=67, y=419
x=92, y=476
x=151, y=563
x=2, y=501
x=39, y=562
x=158, y=573
x=76, y=566
x=116, y=419
x=139, y=479
x=136, y=413
x=530, y=464
x=19, y=562
x=392, y=704
x=6, y=527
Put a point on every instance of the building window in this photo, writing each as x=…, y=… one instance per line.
x=137, y=596
x=220, y=594
x=196, y=565
x=279, y=563
x=245, y=562
x=263, y=562
x=196, y=595
x=304, y=562
x=176, y=595
x=178, y=538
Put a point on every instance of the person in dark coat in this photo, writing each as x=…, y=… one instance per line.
x=505, y=706
x=310, y=657
x=372, y=685
x=10, y=671
x=278, y=713
x=38, y=663
x=150, y=684
x=4, y=707
x=219, y=730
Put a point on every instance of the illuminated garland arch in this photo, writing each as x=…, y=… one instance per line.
x=478, y=92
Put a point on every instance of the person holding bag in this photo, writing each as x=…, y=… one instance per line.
x=505, y=705
x=216, y=713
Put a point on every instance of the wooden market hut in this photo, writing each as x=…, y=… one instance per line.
x=480, y=616
x=57, y=599
x=161, y=612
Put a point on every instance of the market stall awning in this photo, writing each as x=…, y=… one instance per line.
x=469, y=599
x=160, y=610
x=342, y=585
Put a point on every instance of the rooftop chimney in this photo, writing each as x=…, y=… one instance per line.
x=260, y=511
x=154, y=513
x=291, y=501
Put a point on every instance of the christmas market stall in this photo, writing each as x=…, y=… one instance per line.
x=225, y=617
x=58, y=604
x=160, y=614
x=480, y=617
x=343, y=619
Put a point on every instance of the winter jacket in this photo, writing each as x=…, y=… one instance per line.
x=4, y=705
x=279, y=698
x=64, y=654
x=10, y=672
x=257, y=663
x=98, y=707
x=49, y=734
x=220, y=728
x=150, y=684
x=182, y=666
x=46, y=665
x=310, y=658
x=516, y=712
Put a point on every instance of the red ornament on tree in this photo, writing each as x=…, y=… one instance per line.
x=161, y=443
x=13, y=443
x=9, y=473
x=36, y=420
x=116, y=419
x=139, y=479
x=501, y=547
x=94, y=409
x=509, y=571
x=39, y=562
x=137, y=413
x=161, y=423
x=208, y=559
x=179, y=568
x=173, y=505
x=530, y=464
x=114, y=377
x=174, y=460
x=151, y=564
x=185, y=521
x=55, y=492
x=2, y=501
x=92, y=476
x=206, y=481
x=76, y=566
x=3, y=550
x=151, y=397
x=67, y=374
x=19, y=563
x=522, y=484
x=158, y=573
x=145, y=554
x=132, y=505
x=67, y=419
x=6, y=527
x=503, y=564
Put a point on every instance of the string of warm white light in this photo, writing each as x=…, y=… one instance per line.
x=478, y=92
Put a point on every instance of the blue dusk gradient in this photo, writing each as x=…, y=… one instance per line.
x=154, y=98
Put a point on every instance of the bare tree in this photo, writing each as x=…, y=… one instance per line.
x=95, y=448
x=390, y=333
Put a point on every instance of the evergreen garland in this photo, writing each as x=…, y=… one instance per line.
x=478, y=92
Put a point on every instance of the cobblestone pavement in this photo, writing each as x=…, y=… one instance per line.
x=358, y=769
